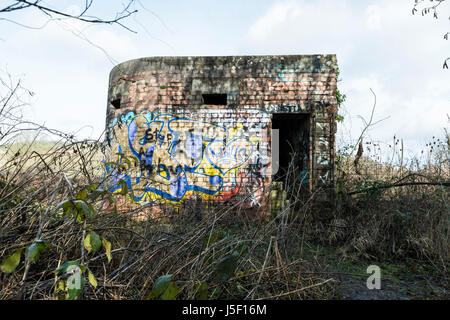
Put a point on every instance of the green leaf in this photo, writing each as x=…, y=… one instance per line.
x=79, y=214
x=32, y=253
x=83, y=206
x=91, y=211
x=10, y=264
x=75, y=282
x=92, y=279
x=96, y=193
x=124, y=186
x=75, y=292
x=66, y=205
x=61, y=286
x=34, y=250
x=82, y=194
x=92, y=242
x=91, y=186
x=171, y=292
x=43, y=244
x=202, y=291
x=161, y=285
x=226, y=267
x=63, y=268
x=107, y=245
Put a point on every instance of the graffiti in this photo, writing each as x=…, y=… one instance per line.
x=283, y=108
x=176, y=155
x=322, y=144
x=247, y=185
x=324, y=178
x=322, y=159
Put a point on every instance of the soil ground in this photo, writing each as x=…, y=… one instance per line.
x=400, y=280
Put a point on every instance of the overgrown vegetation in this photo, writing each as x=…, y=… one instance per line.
x=63, y=235
x=58, y=221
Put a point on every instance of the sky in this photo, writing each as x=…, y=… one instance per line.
x=379, y=45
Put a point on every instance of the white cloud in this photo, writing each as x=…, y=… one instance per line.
x=379, y=45
x=308, y=27
x=68, y=73
x=74, y=37
x=279, y=15
x=373, y=17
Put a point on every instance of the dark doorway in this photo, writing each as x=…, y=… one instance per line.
x=293, y=147
x=215, y=99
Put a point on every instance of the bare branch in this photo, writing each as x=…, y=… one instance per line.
x=24, y=4
x=432, y=8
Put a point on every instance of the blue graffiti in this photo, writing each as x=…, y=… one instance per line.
x=172, y=152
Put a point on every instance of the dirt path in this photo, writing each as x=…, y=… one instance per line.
x=353, y=287
x=406, y=279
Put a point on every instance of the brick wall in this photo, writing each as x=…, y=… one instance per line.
x=173, y=147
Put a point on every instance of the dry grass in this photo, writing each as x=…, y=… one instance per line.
x=269, y=256
x=191, y=246
x=398, y=222
x=397, y=209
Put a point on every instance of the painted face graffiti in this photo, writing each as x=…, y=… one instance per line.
x=176, y=156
